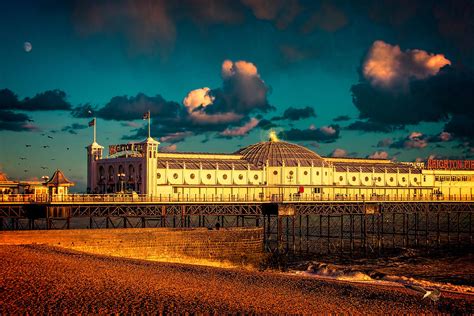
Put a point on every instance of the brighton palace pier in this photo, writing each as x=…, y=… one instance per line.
x=272, y=170
x=302, y=200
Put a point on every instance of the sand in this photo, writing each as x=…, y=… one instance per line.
x=40, y=279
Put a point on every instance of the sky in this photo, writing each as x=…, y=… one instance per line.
x=380, y=79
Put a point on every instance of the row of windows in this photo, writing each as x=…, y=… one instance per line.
x=379, y=179
x=208, y=176
x=305, y=173
x=454, y=178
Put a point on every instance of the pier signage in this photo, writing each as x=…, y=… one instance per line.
x=450, y=164
x=113, y=149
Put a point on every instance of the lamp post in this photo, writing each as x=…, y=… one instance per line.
x=121, y=176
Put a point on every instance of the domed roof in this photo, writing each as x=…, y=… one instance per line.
x=278, y=153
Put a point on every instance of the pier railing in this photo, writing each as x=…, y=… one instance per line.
x=138, y=198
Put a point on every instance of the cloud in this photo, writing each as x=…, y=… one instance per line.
x=378, y=155
x=328, y=18
x=72, y=129
x=169, y=148
x=266, y=124
x=385, y=142
x=50, y=100
x=175, y=137
x=371, y=126
x=295, y=114
x=325, y=134
x=389, y=67
x=433, y=95
x=281, y=12
x=242, y=95
x=413, y=140
x=130, y=124
x=341, y=118
x=242, y=130
x=17, y=122
x=83, y=111
x=124, y=108
x=338, y=153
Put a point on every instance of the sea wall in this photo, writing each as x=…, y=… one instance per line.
x=223, y=247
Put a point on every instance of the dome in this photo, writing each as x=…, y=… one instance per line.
x=278, y=153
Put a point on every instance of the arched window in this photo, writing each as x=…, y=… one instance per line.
x=111, y=172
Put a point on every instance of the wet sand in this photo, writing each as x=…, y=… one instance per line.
x=40, y=279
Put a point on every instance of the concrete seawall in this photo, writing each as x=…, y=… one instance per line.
x=224, y=247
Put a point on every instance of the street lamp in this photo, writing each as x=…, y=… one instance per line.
x=121, y=176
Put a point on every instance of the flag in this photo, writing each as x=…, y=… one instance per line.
x=92, y=123
x=146, y=115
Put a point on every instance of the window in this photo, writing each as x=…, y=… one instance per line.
x=192, y=176
x=175, y=190
x=175, y=176
x=305, y=173
x=241, y=176
x=158, y=175
x=366, y=178
x=416, y=179
x=317, y=173
x=341, y=178
x=317, y=190
x=353, y=178
x=379, y=179
x=391, y=179
x=209, y=176
x=255, y=177
x=275, y=172
x=325, y=173
x=404, y=179
x=291, y=172
x=224, y=177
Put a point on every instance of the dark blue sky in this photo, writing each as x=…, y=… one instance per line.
x=397, y=75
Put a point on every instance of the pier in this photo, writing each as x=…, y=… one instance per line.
x=298, y=226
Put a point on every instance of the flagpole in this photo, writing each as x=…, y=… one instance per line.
x=95, y=123
x=149, y=120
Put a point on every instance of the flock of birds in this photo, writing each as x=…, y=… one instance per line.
x=42, y=146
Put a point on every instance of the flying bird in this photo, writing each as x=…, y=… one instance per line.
x=53, y=159
x=43, y=167
x=433, y=294
x=26, y=170
x=67, y=148
x=46, y=146
x=50, y=137
x=22, y=158
x=43, y=134
x=30, y=120
x=28, y=145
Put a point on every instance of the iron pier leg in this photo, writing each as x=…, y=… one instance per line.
x=307, y=233
x=90, y=222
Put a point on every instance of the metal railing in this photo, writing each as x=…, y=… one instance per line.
x=142, y=198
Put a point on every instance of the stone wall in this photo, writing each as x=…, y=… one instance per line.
x=224, y=247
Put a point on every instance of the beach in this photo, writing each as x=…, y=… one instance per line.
x=44, y=279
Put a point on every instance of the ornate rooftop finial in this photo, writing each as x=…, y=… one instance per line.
x=272, y=136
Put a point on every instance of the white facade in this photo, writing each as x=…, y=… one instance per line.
x=270, y=170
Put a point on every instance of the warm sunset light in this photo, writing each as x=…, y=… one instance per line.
x=236, y=157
